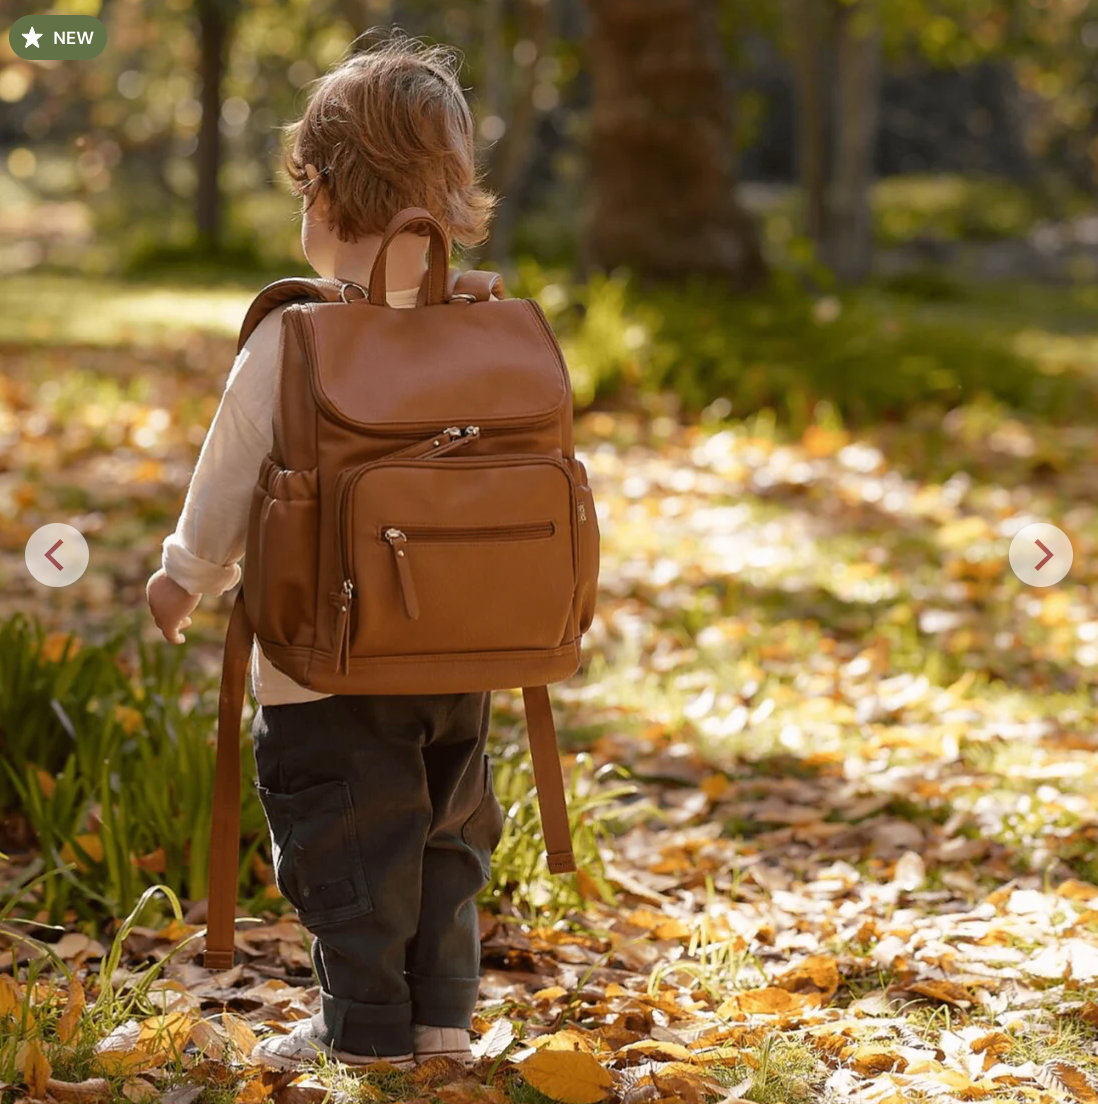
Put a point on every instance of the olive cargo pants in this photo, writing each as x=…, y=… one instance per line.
x=383, y=822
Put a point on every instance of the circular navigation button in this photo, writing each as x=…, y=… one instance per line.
x=57, y=554
x=1040, y=554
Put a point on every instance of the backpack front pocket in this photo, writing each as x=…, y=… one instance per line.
x=461, y=555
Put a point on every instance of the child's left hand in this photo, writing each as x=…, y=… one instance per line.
x=171, y=606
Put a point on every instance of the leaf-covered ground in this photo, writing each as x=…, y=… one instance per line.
x=859, y=864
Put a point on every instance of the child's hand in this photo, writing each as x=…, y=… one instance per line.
x=171, y=606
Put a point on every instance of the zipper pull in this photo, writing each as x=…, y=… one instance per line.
x=343, y=628
x=397, y=540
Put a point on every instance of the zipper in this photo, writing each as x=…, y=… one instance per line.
x=446, y=440
x=535, y=530
x=398, y=539
x=403, y=429
x=343, y=628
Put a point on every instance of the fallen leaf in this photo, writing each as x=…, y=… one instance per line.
x=36, y=1070
x=66, y=1025
x=79, y=1092
x=570, y=1076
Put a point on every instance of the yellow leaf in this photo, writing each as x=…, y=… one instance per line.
x=53, y=647
x=128, y=718
x=550, y=994
x=66, y=1025
x=252, y=1092
x=573, y=1077
x=659, y=1051
x=1075, y=890
x=36, y=1070
x=239, y=1033
x=155, y=862
x=819, y=442
x=589, y=889
x=770, y=1000
x=93, y=845
x=46, y=782
x=568, y=1039
x=11, y=996
x=817, y=972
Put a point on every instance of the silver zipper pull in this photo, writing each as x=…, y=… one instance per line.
x=397, y=540
x=472, y=431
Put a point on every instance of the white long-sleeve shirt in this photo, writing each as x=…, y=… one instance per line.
x=203, y=553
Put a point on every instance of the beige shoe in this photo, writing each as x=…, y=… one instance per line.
x=441, y=1042
x=303, y=1044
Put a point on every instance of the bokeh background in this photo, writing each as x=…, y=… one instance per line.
x=824, y=272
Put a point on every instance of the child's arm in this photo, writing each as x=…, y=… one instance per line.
x=201, y=556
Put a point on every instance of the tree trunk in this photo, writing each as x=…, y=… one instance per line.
x=810, y=35
x=511, y=157
x=213, y=33
x=661, y=153
x=848, y=241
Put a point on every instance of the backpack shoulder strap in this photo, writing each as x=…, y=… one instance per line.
x=224, y=860
x=548, y=779
x=283, y=291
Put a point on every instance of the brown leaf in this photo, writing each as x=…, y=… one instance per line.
x=769, y=1000
x=239, y=1033
x=1069, y=1078
x=36, y=1070
x=948, y=992
x=571, y=1076
x=871, y=1060
x=66, y=1025
x=817, y=972
x=79, y=1092
x=11, y=995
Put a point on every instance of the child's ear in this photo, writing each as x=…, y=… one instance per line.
x=315, y=195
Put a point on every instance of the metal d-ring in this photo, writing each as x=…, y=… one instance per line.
x=351, y=283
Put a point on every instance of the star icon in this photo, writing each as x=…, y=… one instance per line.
x=32, y=33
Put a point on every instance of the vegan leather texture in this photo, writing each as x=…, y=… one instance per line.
x=421, y=524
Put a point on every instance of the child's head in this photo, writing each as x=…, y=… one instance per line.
x=385, y=129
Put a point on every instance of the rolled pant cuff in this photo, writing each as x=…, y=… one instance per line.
x=443, y=1002
x=384, y=1030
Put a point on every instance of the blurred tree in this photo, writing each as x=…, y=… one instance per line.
x=509, y=98
x=836, y=51
x=661, y=144
x=215, y=22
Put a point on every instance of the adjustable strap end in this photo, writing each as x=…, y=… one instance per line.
x=561, y=862
x=218, y=960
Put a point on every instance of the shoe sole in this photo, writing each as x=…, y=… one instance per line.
x=280, y=1062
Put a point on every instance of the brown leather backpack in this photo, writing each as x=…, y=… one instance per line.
x=421, y=524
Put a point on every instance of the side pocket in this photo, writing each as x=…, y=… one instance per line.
x=280, y=564
x=484, y=828
x=587, y=575
x=317, y=862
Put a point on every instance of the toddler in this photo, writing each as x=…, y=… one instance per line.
x=380, y=808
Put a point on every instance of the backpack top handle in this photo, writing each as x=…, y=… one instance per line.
x=438, y=265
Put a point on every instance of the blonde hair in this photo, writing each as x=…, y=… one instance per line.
x=389, y=127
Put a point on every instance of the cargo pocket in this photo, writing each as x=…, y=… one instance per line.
x=281, y=556
x=314, y=847
x=587, y=568
x=484, y=828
